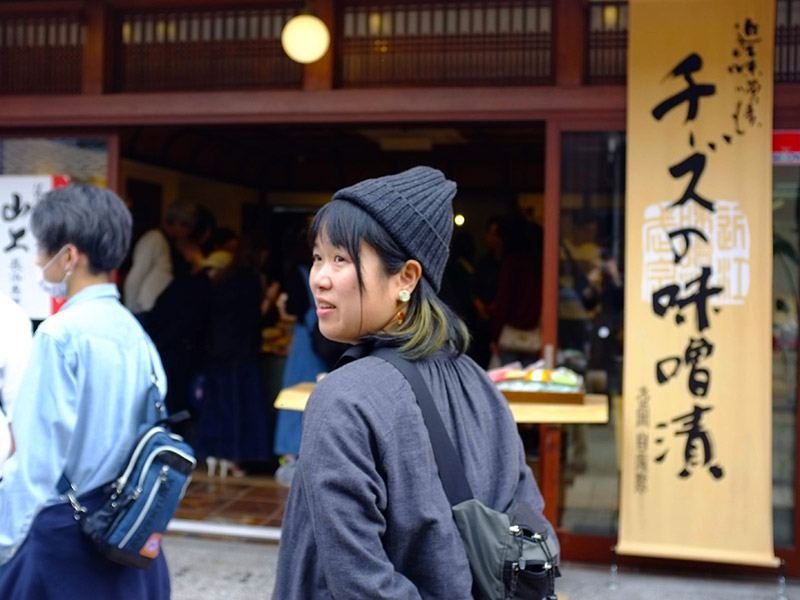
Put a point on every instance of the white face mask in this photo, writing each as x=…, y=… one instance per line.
x=59, y=289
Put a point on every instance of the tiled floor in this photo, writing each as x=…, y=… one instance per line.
x=247, y=500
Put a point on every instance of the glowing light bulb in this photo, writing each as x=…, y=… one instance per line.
x=305, y=38
x=459, y=220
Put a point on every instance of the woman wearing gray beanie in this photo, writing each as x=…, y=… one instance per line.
x=367, y=516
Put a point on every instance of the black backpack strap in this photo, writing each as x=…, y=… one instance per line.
x=155, y=414
x=155, y=409
x=451, y=472
x=353, y=353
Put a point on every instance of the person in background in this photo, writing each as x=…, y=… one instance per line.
x=233, y=415
x=589, y=319
x=589, y=283
x=15, y=347
x=223, y=238
x=519, y=289
x=179, y=320
x=156, y=259
x=79, y=410
x=203, y=230
x=487, y=270
x=367, y=515
x=459, y=293
x=310, y=354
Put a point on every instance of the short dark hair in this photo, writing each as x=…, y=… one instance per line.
x=94, y=219
x=584, y=217
x=221, y=236
x=204, y=224
x=430, y=324
x=182, y=212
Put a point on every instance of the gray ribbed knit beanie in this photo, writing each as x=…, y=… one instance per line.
x=415, y=208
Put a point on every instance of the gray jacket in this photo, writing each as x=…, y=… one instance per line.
x=367, y=516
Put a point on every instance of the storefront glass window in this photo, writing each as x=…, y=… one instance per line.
x=786, y=299
x=591, y=277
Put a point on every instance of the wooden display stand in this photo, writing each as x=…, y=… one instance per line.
x=527, y=407
x=543, y=397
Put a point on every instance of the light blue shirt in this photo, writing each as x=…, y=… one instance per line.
x=80, y=405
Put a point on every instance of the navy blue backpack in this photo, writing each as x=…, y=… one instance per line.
x=137, y=506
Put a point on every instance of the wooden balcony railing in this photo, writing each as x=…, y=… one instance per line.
x=180, y=45
x=607, y=42
x=41, y=53
x=787, y=41
x=204, y=49
x=465, y=42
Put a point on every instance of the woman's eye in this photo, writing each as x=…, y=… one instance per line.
x=316, y=258
x=339, y=258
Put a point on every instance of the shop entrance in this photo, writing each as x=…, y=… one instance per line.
x=265, y=181
x=268, y=179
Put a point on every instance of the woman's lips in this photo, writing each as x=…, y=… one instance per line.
x=324, y=308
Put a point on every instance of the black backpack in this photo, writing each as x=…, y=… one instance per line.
x=511, y=554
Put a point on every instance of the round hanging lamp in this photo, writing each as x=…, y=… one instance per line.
x=305, y=38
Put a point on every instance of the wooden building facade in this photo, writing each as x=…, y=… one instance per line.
x=103, y=71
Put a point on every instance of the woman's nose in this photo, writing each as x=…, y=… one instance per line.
x=319, y=278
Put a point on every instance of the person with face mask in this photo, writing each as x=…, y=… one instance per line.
x=80, y=406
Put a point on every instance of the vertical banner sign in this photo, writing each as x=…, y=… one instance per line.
x=19, y=275
x=696, y=478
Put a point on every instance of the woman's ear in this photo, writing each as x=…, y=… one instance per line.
x=409, y=275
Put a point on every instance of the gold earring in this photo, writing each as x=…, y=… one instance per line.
x=401, y=316
x=404, y=296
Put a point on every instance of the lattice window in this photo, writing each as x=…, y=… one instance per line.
x=477, y=42
x=787, y=41
x=607, y=42
x=206, y=49
x=41, y=54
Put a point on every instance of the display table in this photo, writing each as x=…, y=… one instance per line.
x=549, y=415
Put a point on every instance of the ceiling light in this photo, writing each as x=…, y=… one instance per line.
x=305, y=38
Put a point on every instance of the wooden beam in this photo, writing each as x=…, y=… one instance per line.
x=324, y=106
x=570, y=40
x=319, y=75
x=95, y=65
x=184, y=4
x=787, y=106
x=550, y=456
x=113, y=162
x=41, y=7
x=550, y=258
x=591, y=103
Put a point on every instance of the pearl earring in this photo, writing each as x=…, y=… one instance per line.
x=404, y=296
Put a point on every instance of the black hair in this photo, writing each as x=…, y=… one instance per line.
x=430, y=324
x=221, y=236
x=93, y=219
x=204, y=224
